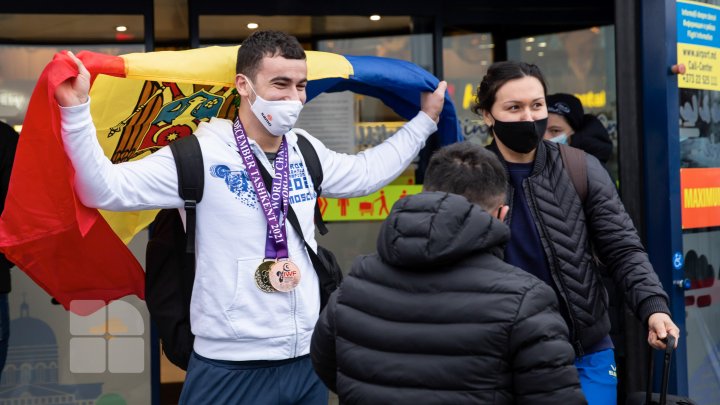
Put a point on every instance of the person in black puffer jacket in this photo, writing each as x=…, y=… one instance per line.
x=552, y=229
x=437, y=317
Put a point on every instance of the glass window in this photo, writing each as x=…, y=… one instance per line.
x=234, y=28
x=21, y=66
x=699, y=130
x=373, y=123
x=581, y=63
x=71, y=28
x=466, y=57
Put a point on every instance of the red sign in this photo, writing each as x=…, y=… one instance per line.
x=700, y=197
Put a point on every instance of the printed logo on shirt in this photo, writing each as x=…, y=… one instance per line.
x=238, y=182
x=300, y=189
x=613, y=371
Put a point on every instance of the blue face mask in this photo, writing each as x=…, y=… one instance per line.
x=562, y=138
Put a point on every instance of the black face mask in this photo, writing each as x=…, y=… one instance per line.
x=520, y=136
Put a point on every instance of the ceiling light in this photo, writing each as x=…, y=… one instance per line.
x=530, y=39
x=528, y=48
x=252, y=26
x=542, y=44
x=121, y=28
x=374, y=17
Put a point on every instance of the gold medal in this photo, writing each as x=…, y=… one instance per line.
x=262, y=276
x=284, y=275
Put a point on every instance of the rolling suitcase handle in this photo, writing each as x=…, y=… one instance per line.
x=637, y=398
x=670, y=342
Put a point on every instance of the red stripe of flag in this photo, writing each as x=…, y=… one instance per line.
x=66, y=248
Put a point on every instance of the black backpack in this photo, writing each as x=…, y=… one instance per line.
x=170, y=255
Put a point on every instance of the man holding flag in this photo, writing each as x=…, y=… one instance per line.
x=251, y=345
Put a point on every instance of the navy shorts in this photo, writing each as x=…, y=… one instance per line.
x=281, y=382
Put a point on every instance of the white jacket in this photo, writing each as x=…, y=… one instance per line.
x=231, y=318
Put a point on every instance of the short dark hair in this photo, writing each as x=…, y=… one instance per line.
x=470, y=170
x=497, y=75
x=266, y=43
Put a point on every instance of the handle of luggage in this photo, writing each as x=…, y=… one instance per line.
x=670, y=346
x=646, y=398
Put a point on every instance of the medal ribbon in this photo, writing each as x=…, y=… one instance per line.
x=275, y=203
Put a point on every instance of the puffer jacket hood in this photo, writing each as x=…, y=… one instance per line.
x=432, y=229
x=474, y=331
x=593, y=138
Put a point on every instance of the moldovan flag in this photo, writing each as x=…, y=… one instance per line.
x=140, y=103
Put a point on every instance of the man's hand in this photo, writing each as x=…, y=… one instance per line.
x=659, y=325
x=432, y=103
x=75, y=90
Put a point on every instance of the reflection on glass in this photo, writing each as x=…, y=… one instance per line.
x=415, y=48
x=232, y=29
x=699, y=125
x=702, y=323
x=21, y=66
x=581, y=63
x=466, y=57
x=577, y=62
x=375, y=121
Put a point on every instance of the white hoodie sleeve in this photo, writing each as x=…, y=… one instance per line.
x=147, y=183
x=357, y=175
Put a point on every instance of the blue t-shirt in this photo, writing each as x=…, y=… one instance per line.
x=525, y=247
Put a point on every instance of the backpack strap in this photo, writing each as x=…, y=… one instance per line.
x=191, y=181
x=316, y=174
x=323, y=273
x=575, y=164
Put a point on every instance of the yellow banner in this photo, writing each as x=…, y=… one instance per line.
x=145, y=116
x=215, y=66
x=374, y=207
x=702, y=67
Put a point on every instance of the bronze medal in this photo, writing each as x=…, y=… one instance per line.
x=262, y=276
x=284, y=275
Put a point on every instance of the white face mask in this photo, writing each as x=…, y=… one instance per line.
x=562, y=138
x=279, y=116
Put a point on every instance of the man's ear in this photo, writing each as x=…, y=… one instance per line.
x=241, y=85
x=503, y=212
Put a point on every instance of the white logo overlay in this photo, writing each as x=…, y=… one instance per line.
x=109, y=339
x=613, y=371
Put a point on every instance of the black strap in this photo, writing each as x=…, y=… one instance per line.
x=316, y=174
x=576, y=166
x=670, y=346
x=322, y=272
x=191, y=181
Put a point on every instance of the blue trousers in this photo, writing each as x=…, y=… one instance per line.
x=598, y=377
x=283, y=382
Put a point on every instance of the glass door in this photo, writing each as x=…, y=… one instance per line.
x=699, y=50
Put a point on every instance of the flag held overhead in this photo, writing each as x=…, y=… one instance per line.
x=140, y=103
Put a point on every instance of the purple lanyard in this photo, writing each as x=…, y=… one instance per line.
x=276, y=246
